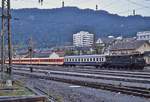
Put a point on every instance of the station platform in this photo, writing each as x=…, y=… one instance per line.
x=12, y=90
x=23, y=99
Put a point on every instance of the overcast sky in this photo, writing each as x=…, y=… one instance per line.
x=121, y=7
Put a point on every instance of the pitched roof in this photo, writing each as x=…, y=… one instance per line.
x=125, y=45
x=105, y=40
x=53, y=55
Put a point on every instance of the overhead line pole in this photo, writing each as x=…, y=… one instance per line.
x=2, y=36
x=9, y=38
x=6, y=30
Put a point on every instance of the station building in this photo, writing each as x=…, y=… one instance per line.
x=130, y=47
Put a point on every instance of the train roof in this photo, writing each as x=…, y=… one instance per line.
x=35, y=58
x=83, y=56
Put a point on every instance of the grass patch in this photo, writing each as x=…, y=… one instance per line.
x=15, y=90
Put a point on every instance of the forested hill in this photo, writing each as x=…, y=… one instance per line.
x=56, y=26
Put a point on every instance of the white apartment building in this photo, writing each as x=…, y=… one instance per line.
x=83, y=39
x=143, y=35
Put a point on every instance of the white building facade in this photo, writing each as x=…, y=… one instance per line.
x=143, y=35
x=83, y=39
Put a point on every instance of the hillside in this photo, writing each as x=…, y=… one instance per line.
x=56, y=26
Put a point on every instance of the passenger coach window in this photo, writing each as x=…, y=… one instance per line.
x=102, y=59
x=82, y=60
x=88, y=60
x=95, y=59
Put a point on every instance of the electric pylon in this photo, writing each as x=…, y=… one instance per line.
x=41, y=2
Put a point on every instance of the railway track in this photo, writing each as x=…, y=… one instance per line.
x=133, y=90
x=136, y=91
x=35, y=89
x=50, y=98
x=97, y=72
x=84, y=69
x=93, y=76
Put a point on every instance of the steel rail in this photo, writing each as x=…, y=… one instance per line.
x=115, y=88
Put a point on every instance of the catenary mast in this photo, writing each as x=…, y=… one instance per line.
x=6, y=31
